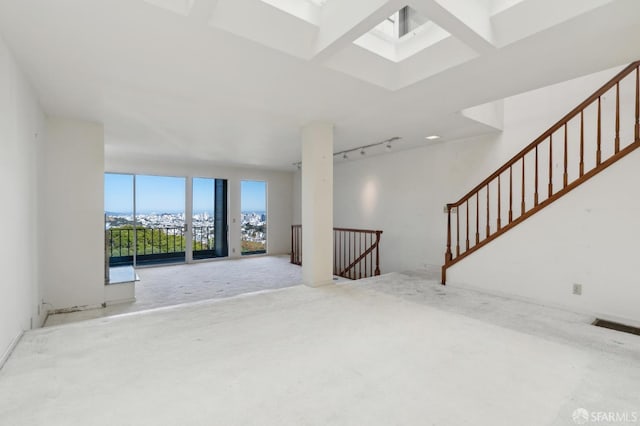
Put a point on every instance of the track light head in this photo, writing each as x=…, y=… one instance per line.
x=345, y=156
x=362, y=151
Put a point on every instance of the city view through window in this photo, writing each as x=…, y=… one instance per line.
x=254, y=217
x=145, y=219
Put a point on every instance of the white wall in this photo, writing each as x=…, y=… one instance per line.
x=590, y=237
x=21, y=135
x=73, y=214
x=403, y=193
x=279, y=194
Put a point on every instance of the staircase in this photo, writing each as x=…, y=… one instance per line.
x=356, y=252
x=594, y=135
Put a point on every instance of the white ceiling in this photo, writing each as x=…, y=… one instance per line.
x=233, y=81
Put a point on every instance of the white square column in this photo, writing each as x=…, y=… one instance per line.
x=317, y=204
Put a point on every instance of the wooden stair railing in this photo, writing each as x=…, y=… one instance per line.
x=584, y=142
x=356, y=252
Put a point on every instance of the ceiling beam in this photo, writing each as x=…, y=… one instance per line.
x=342, y=22
x=465, y=20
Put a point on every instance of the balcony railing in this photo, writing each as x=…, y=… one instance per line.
x=157, y=245
x=356, y=252
x=203, y=239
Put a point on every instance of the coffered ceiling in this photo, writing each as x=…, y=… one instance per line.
x=233, y=81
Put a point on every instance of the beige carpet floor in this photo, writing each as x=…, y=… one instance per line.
x=177, y=284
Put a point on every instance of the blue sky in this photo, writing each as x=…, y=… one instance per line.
x=253, y=195
x=162, y=194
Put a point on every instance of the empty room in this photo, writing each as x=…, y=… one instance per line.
x=319, y=212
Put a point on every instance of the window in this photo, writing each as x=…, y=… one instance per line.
x=119, y=219
x=209, y=219
x=254, y=217
x=146, y=223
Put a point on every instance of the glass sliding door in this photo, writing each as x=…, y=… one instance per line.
x=209, y=222
x=119, y=219
x=145, y=220
x=160, y=219
x=254, y=217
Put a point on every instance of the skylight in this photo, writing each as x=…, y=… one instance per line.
x=401, y=35
x=404, y=23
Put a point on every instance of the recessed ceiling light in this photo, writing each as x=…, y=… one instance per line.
x=432, y=137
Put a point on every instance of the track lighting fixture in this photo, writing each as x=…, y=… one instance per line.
x=363, y=150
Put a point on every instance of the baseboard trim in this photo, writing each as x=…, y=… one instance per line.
x=7, y=354
x=75, y=309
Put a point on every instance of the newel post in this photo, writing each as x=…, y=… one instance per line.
x=448, y=255
x=292, y=247
x=377, y=271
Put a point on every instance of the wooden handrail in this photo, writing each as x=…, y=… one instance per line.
x=344, y=272
x=594, y=97
x=356, y=252
x=365, y=231
x=530, y=179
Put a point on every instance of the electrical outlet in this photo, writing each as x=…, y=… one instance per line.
x=233, y=250
x=577, y=289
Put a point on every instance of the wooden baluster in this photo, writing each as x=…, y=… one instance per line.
x=467, y=217
x=535, y=195
x=565, y=176
x=617, y=139
x=362, y=271
x=457, y=231
x=365, y=273
x=347, y=250
x=477, y=217
x=637, y=104
x=370, y=272
x=342, y=243
x=378, y=252
x=364, y=261
x=447, y=255
x=581, y=143
x=359, y=253
x=371, y=257
x=510, y=193
x=352, y=252
x=550, y=165
x=499, y=202
x=522, y=205
x=488, y=220
x=335, y=250
x=599, y=139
